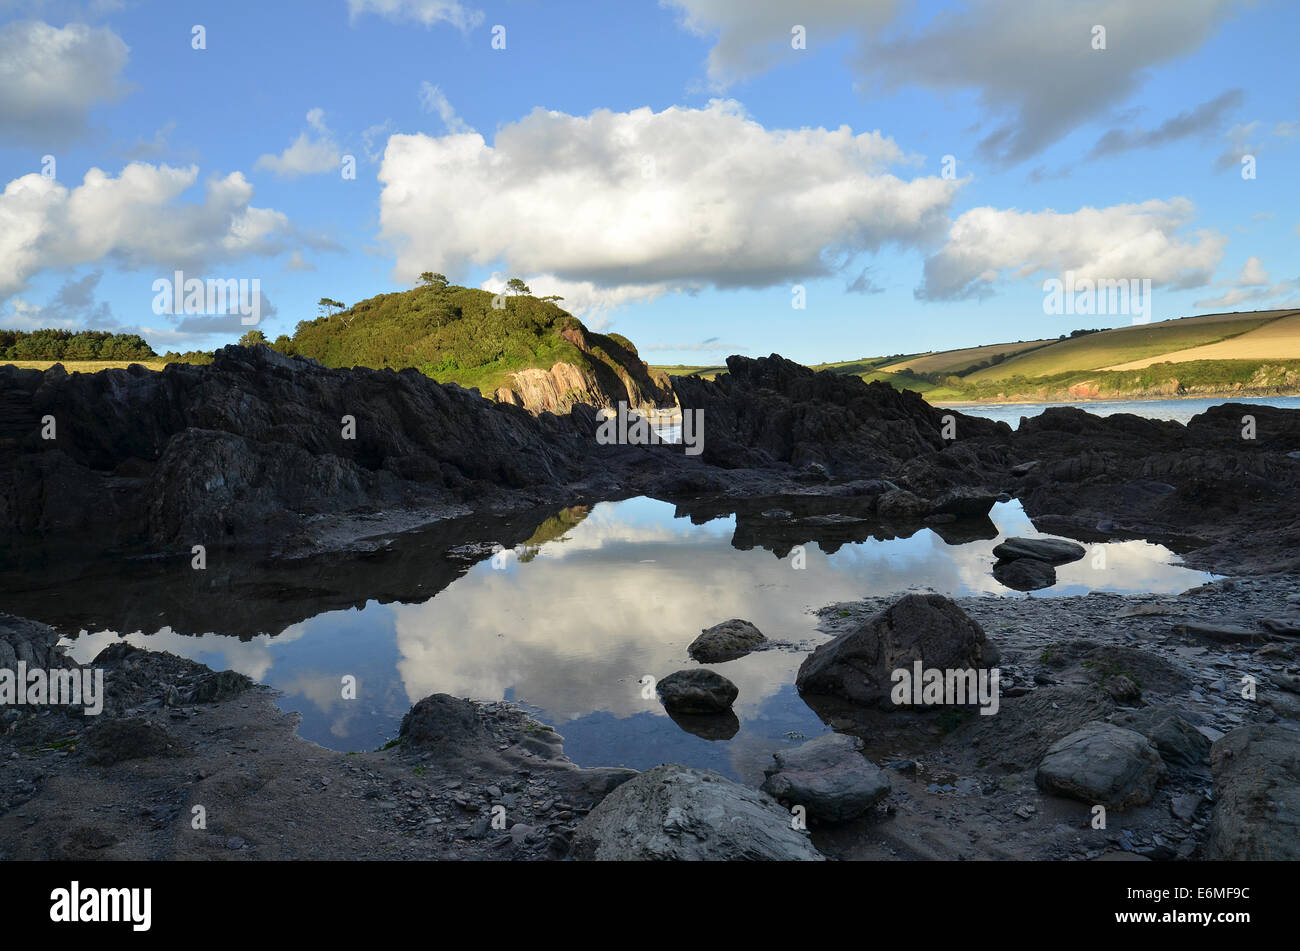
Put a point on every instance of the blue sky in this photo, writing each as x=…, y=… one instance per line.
x=675, y=170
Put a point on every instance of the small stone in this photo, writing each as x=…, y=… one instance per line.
x=1184, y=807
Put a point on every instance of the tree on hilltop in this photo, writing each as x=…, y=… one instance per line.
x=434, y=279
x=517, y=287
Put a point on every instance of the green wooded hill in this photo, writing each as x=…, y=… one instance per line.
x=455, y=335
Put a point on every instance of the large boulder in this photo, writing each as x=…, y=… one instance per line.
x=697, y=690
x=1257, y=785
x=858, y=665
x=828, y=776
x=678, y=813
x=443, y=724
x=726, y=641
x=1025, y=574
x=1102, y=764
x=1056, y=551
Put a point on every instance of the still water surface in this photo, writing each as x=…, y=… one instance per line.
x=571, y=626
x=1178, y=410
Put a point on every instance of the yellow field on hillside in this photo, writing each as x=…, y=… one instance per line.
x=953, y=361
x=1122, y=345
x=84, y=366
x=1277, y=340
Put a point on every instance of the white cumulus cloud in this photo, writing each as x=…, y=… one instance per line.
x=134, y=220
x=986, y=245
x=643, y=202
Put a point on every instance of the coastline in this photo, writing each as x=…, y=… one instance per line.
x=1086, y=401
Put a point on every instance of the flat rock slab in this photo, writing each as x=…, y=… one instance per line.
x=678, y=813
x=1221, y=633
x=828, y=776
x=1025, y=574
x=726, y=641
x=1257, y=788
x=697, y=690
x=1102, y=764
x=1282, y=626
x=1054, y=551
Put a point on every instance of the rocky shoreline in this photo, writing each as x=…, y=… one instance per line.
x=175, y=736
x=246, y=457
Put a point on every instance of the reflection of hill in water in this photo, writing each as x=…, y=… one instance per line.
x=553, y=529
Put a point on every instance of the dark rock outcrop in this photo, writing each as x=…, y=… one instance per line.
x=858, y=665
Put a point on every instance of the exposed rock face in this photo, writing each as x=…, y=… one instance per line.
x=828, y=776
x=858, y=665
x=615, y=375
x=1102, y=764
x=1257, y=786
x=726, y=641
x=677, y=813
x=697, y=690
